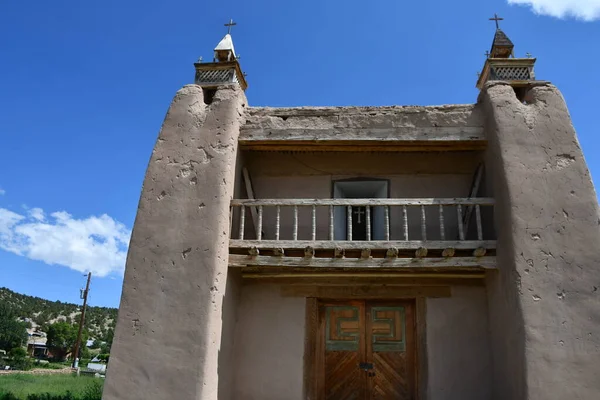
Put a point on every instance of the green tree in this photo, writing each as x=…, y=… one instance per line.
x=42, y=311
x=85, y=352
x=41, y=319
x=19, y=359
x=12, y=332
x=109, y=338
x=62, y=337
x=104, y=348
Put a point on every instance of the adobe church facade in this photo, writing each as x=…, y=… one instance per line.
x=440, y=252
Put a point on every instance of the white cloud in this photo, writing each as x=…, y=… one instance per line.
x=37, y=214
x=8, y=221
x=96, y=244
x=587, y=10
x=2, y=191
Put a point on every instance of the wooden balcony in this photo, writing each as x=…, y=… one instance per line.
x=436, y=234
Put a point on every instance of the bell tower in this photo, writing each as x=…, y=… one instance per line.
x=501, y=64
x=225, y=67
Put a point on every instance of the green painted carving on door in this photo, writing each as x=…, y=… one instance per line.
x=389, y=333
x=342, y=328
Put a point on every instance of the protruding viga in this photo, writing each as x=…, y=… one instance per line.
x=169, y=329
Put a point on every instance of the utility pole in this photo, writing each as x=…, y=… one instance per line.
x=81, y=321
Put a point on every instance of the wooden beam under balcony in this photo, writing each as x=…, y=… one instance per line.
x=396, y=278
x=364, y=139
x=451, y=263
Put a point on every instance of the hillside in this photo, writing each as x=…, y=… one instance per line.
x=99, y=321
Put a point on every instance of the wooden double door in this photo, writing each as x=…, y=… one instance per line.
x=366, y=350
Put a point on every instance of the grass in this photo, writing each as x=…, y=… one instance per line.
x=22, y=385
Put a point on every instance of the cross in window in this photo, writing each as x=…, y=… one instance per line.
x=358, y=213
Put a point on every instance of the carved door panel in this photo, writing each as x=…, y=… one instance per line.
x=391, y=351
x=342, y=332
x=366, y=351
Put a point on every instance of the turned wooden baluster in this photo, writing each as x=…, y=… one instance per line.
x=423, y=224
x=405, y=222
x=295, y=231
x=349, y=233
x=368, y=215
x=277, y=222
x=242, y=221
x=442, y=227
x=260, y=223
x=314, y=222
x=387, y=222
x=331, y=233
x=461, y=232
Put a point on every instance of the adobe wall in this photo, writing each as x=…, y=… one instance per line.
x=340, y=119
x=544, y=304
x=269, y=345
x=458, y=348
x=168, y=331
x=343, y=164
x=231, y=301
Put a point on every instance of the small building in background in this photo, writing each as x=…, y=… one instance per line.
x=37, y=347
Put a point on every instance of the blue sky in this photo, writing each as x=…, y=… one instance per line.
x=84, y=87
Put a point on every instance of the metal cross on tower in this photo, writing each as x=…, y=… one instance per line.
x=229, y=25
x=496, y=19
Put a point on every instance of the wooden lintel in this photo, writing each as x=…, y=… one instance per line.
x=364, y=139
x=363, y=276
x=365, y=291
x=365, y=147
x=390, y=134
x=239, y=260
x=359, y=245
x=344, y=279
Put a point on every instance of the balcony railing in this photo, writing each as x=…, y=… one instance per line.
x=388, y=235
x=433, y=232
